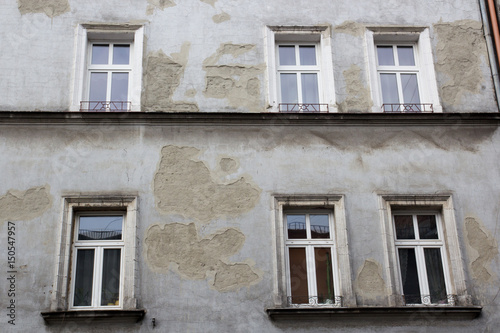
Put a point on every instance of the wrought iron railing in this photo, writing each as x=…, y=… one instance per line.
x=105, y=106
x=303, y=107
x=429, y=300
x=300, y=301
x=408, y=108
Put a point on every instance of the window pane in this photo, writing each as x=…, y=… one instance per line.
x=320, y=226
x=427, y=228
x=410, y=88
x=84, y=277
x=409, y=276
x=119, y=87
x=307, y=55
x=296, y=225
x=289, y=88
x=121, y=54
x=110, y=292
x=405, y=56
x=389, y=89
x=100, y=227
x=98, y=86
x=298, y=276
x=310, y=93
x=385, y=55
x=324, y=275
x=100, y=53
x=435, y=276
x=287, y=55
x=404, y=226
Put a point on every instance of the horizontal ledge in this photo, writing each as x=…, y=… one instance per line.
x=404, y=312
x=122, y=316
x=249, y=119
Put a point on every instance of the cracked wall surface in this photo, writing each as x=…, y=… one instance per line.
x=483, y=249
x=460, y=51
x=185, y=185
x=25, y=205
x=51, y=8
x=358, y=95
x=162, y=76
x=370, y=286
x=179, y=247
x=236, y=82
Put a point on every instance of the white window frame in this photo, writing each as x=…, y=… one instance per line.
x=453, y=269
x=86, y=34
x=62, y=298
x=334, y=205
x=397, y=35
x=320, y=36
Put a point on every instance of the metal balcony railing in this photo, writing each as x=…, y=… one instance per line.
x=105, y=106
x=408, y=108
x=302, y=108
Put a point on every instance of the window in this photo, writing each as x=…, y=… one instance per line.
x=108, y=68
x=402, y=70
x=312, y=257
x=300, y=72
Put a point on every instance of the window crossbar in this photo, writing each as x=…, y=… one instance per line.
x=105, y=106
x=408, y=107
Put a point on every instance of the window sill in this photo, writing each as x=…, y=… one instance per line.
x=115, y=316
x=404, y=312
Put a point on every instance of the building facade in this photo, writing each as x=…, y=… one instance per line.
x=268, y=166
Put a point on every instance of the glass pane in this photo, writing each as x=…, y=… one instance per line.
x=98, y=86
x=287, y=55
x=320, y=226
x=324, y=275
x=298, y=276
x=435, y=276
x=404, y=227
x=405, y=56
x=296, y=225
x=427, y=228
x=100, y=227
x=410, y=88
x=289, y=88
x=100, y=53
x=119, y=87
x=389, y=89
x=121, y=54
x=385, y=56
x=110, y=292
x=310, y=93
x=84, y=277
x=307, y=55
x=409, y=276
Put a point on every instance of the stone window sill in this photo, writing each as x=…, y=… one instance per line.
x=115, y=316
x=404, y=312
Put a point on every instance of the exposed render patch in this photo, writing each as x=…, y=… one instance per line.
x=158, y=4
x=352, y=28
x=483, y=249
x=238, y=83
x=184, y=185
x=460, y=50
x=358, y=96
x=178, y=247
x=222, y=17
x=370, y=284
x=228, y=164
x=162, y=77
x=25, y=205
x=51, y=8
x=210, y=2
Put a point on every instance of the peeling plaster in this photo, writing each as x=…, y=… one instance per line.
x=222, y=17
x=51, y=8
x=483, y=249
x=350, y=27
x=460, y=51
x=162, y=77
x=358, y=95
x=370, y=286
x=184, y=185
x=238, y=83
x=158, y=4
x=25, y=205
x=178, y=247
x=228, y=164
x=209, y=2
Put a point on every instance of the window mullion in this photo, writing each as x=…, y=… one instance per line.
x=311, y=272
x=96, y=294
x=422, y=272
